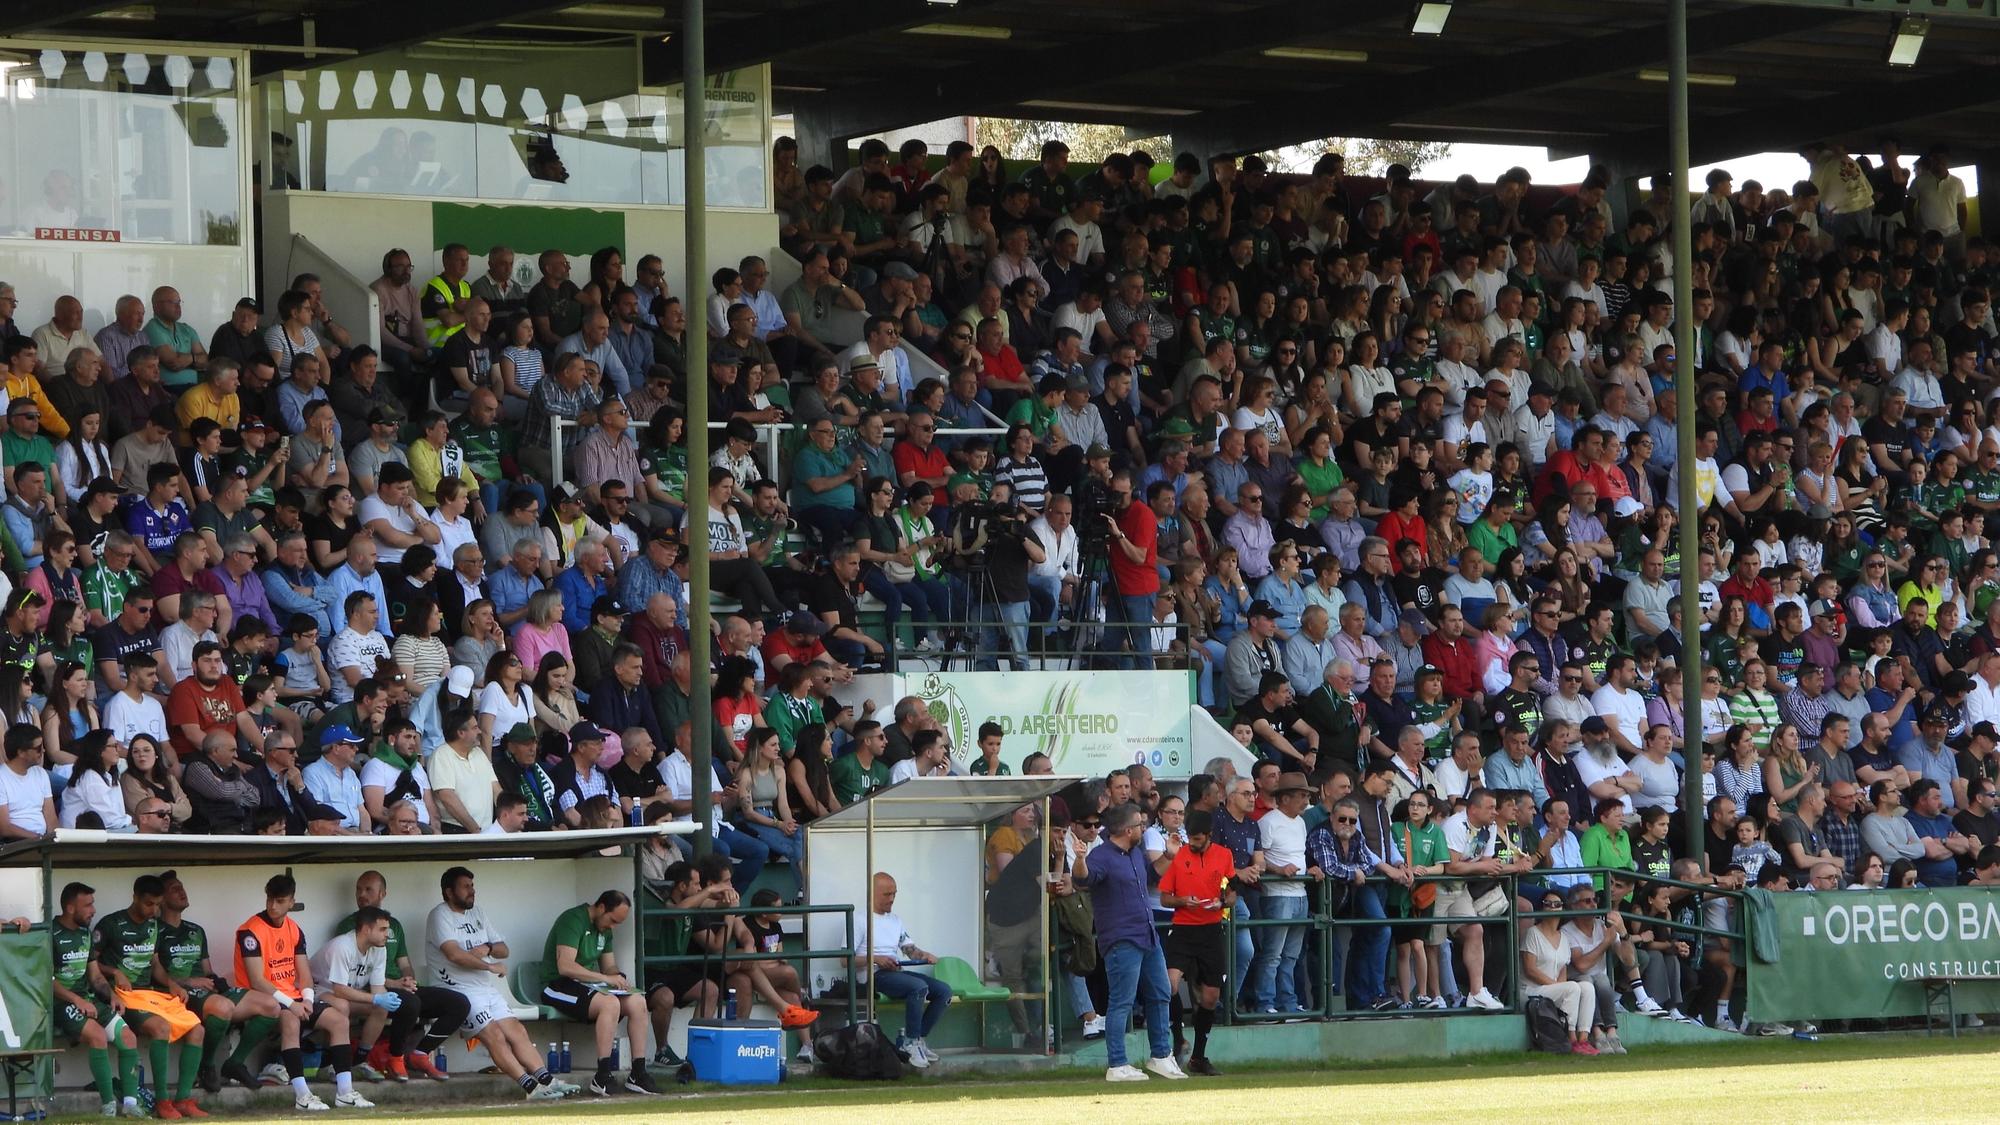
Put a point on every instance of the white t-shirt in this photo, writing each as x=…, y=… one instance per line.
x=1467, y=842
x=1283, y=840
x=383, y=775
x=452, y=534
x=677, y=773
x=466, y=930
x=373, y=509
x=1625, y=710
x=1590, y=771
x=339, y=960
x=493, y=701
x=24, y=795
x=725, y=531
x=125, y=718
x=889, y=937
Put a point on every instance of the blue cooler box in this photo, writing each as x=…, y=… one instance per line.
x=737, y=1052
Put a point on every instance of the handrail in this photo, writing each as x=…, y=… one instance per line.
x=346, y=296
x=768, y=436
x=651, y=909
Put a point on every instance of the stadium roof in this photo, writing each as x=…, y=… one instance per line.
x=71, y=847
x=943, y=802
x=1562, y=73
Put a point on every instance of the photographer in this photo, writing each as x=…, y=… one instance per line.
x=994, y=535
x=1135, y=574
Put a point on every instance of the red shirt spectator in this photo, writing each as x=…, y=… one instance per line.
x=168, y=581
x=1757, y=591
x=1456, y=660
x=795, y=649
x=1003, y=367
x=210, y=707
x=1142, y=527
x=1393, y=529
x=926, y=462
x=658, y=645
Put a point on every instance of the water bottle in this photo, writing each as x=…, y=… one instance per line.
x=637, y=815
x=614, y=1055
x=565, y=1056
x=554, y=1060
x=729, y=1005
x=438, y=1060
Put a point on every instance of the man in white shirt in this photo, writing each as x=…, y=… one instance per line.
x=1940, y=200
x=1282, y=838
x=880, y=340
x=1536, y=422
x=677, y=771
x=136, y=710
x=1504, y=322
x=930, y=756
x=1600, y=768
x=1709, y=487
x=29, y=805
x=395, y=518
x=924, y=998
x=466, y=954
x=1052, y=581
x=1619, y=702
x=1472, y=840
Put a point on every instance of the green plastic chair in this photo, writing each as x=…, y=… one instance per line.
x=524, y=979
x=965, y=984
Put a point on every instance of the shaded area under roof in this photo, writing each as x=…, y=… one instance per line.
x=1564, y=74
x=70, y=847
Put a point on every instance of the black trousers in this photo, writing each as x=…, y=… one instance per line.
x=426, y=1019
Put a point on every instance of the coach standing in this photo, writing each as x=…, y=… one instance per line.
x=1134, y=964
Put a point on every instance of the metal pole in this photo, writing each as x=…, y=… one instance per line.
x=694, y=189
x=1684, y=429
x=868, y=896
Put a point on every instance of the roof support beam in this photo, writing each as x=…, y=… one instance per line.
x=1288, y=120
x=18, y=17
x=1831, y=117
x=388, y=24
x=1114, y=57
x=761, y=38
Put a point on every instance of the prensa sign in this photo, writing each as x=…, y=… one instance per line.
x=77, y=234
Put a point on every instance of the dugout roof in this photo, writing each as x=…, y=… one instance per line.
x=70, y=847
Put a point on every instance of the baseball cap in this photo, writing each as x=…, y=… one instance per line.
x=901, y=271
x=1937, y=713
x=608, y=607
x=724, y=357
x=568, y=493
x=1078, y=383
x=340, y=734
x=805, y=624
x=1262, y=608
x=585, y=731
x=386, y=416
x=1096, y=450
x=318, y=811
x=1595, y=724
x=1985, y=729
x=457, y=683
x=253, y=422
x=1417, y=622
x=520, y=732
x=1826, y=607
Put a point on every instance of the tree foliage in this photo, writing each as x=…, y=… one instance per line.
x=1022, y=140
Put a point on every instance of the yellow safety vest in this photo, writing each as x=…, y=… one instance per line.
x=437, y=331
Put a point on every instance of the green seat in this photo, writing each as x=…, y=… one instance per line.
x=965, y=984
x=524, y=979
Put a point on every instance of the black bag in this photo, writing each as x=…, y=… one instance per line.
x=859, y=1051
x=1547, y=1029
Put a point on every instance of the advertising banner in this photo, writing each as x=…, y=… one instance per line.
x=1862, y=954
x=1087, y=722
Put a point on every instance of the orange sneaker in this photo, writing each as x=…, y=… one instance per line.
x=421, y=1064
x=189, y=1109
x=398, y=1069
x=165, y=1111
x=796, y=1016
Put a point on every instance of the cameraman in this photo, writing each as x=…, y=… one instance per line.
x=996, y=534
x=1135, y=573
x=1053, y=581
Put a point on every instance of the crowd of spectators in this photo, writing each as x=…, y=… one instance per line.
x=1392, y=468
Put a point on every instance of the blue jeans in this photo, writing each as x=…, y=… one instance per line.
x=1247, y=940
x=924, y=999
x=929, y=601
x=776, y=842
x=1134, y=972
x=1367, y=948
x=1014, y=615
x=878, y=584
x=1044, y=596
x=1128, y=624
x=747, y=853
x=1278, y=954
x=831, y=522
x=1205, y=670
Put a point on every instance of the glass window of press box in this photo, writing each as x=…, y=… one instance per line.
x=145, y=145
x=510, y=122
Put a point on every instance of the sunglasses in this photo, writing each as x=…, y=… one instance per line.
x=1346, y=820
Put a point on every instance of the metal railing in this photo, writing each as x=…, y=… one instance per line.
x=654, y=913
x=1067, y=641
x=770, y=442
x=1324, y=924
